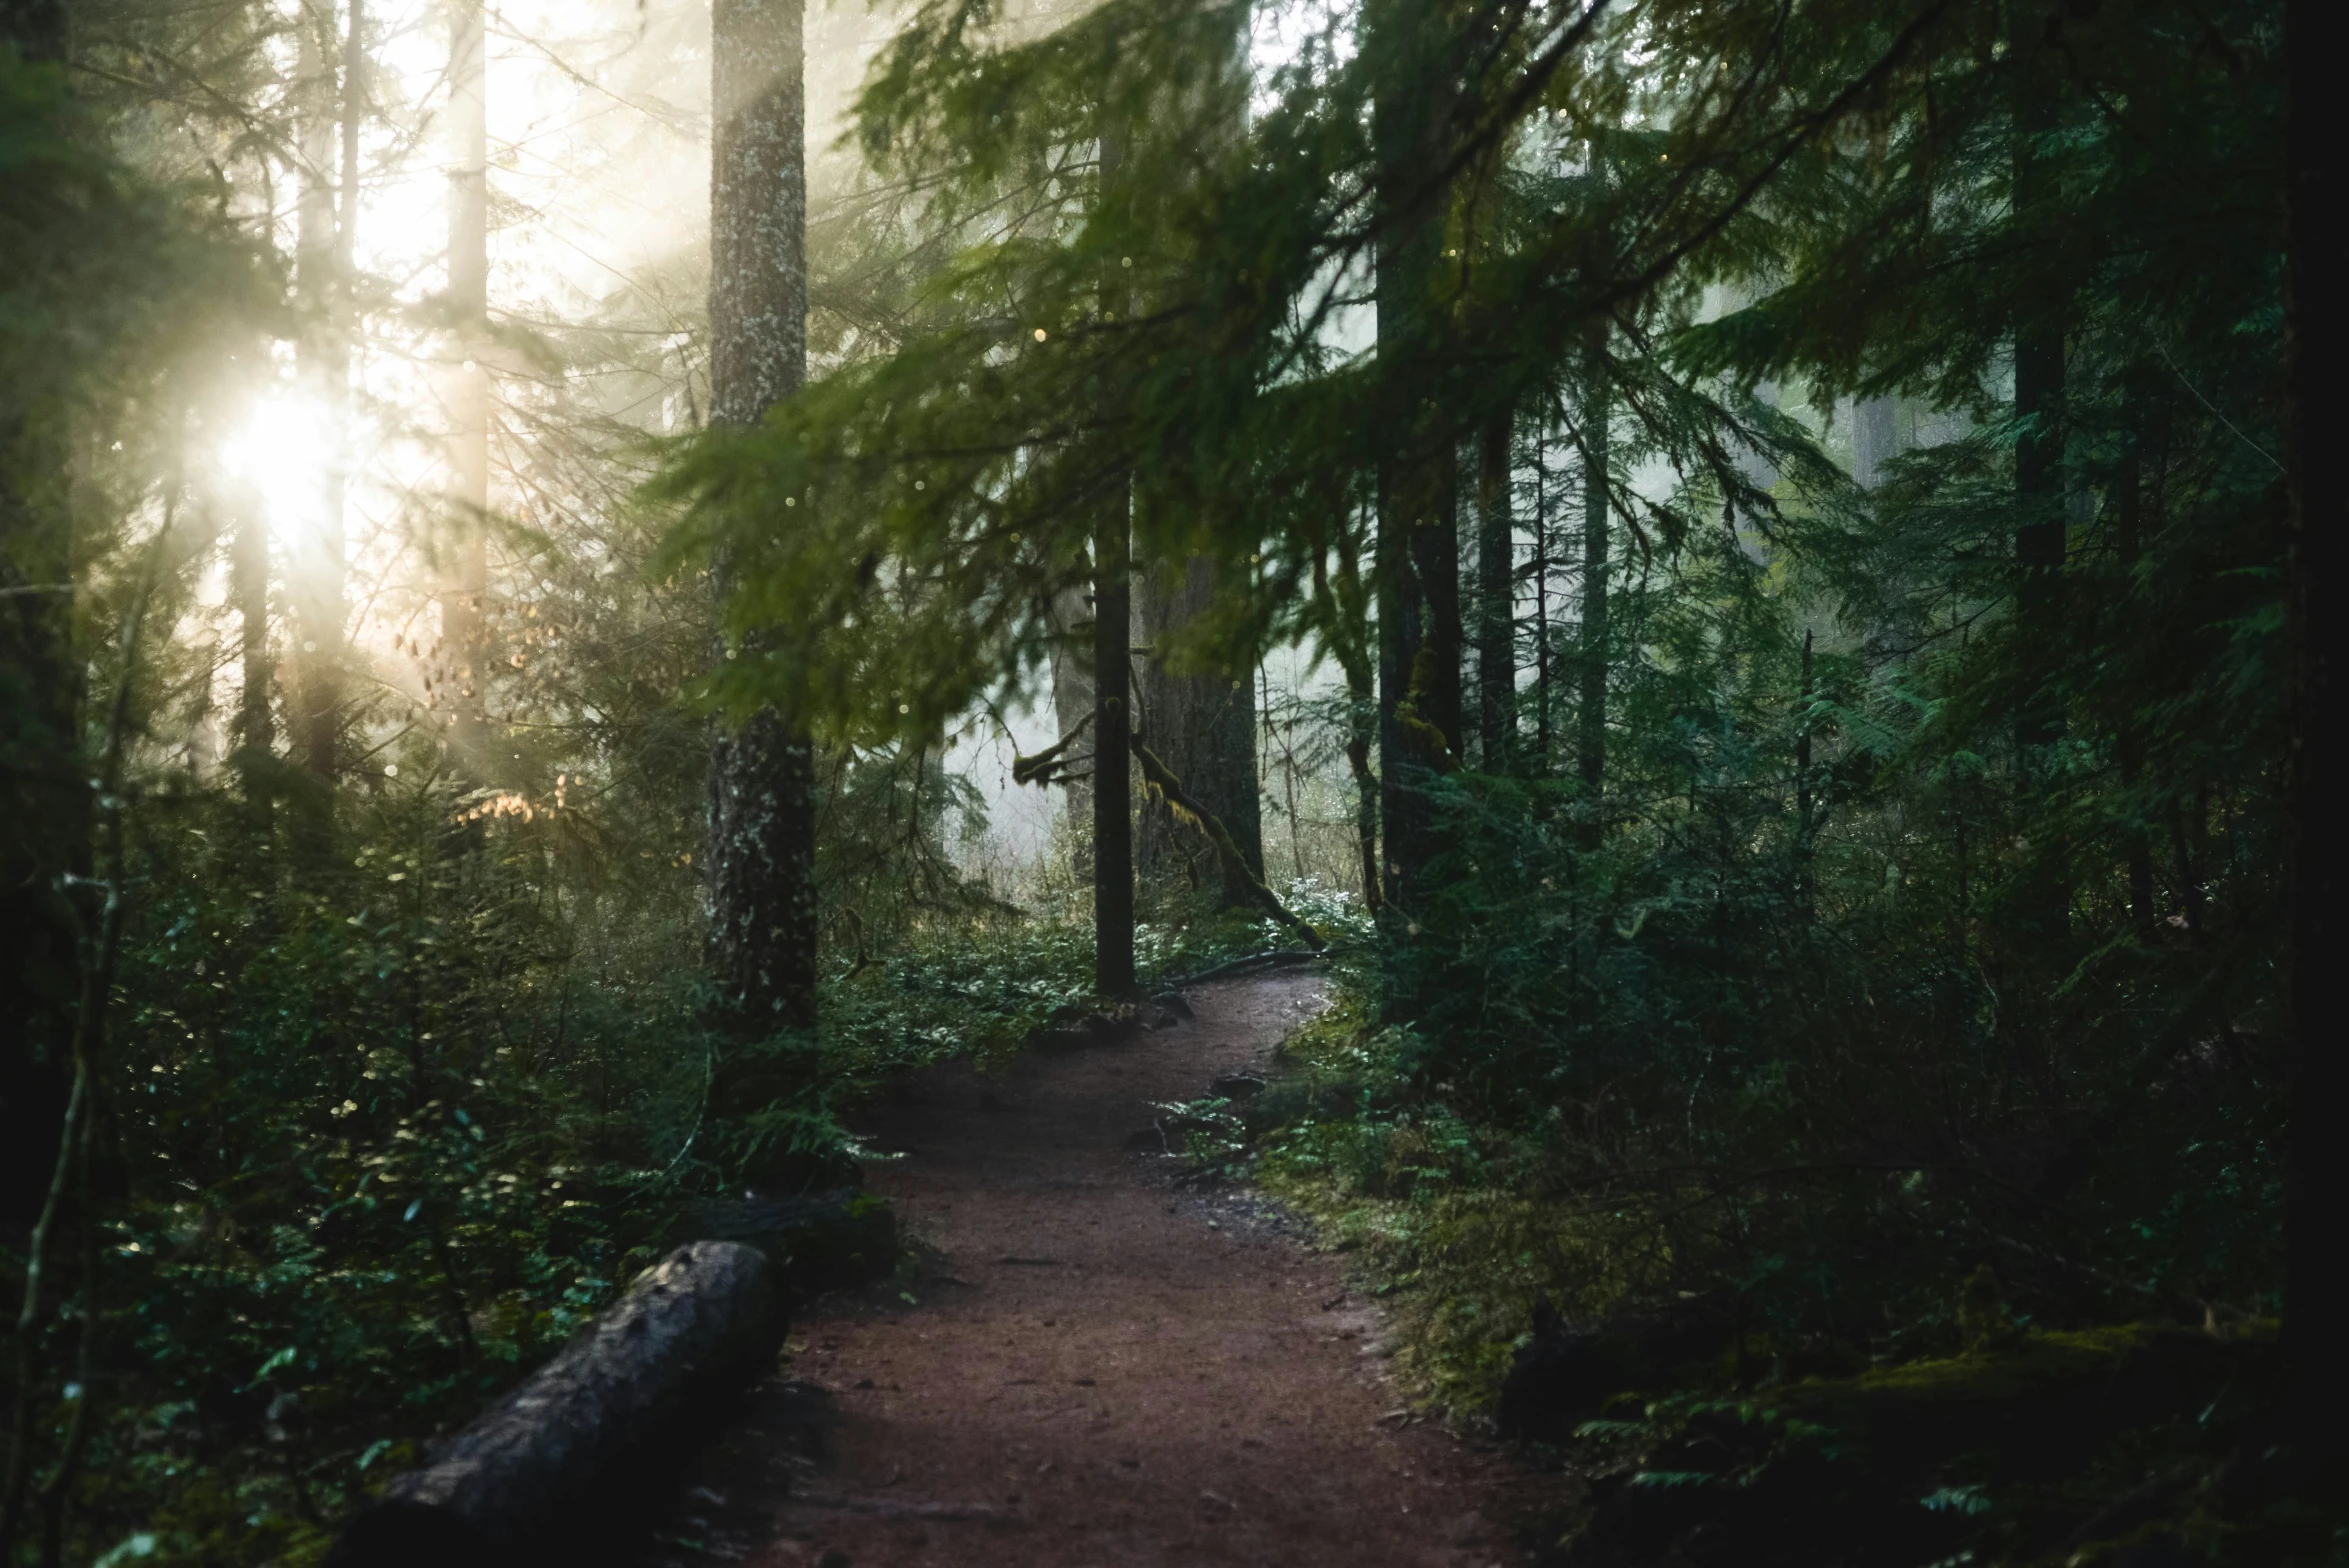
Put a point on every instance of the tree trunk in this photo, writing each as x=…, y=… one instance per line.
x=1435, y=676
x=464, y=652
x=256, y=732
x=46, y=832
x=1348, y=639
x=761, y=838
x=314, y=574
x=2129, y=508
x=1203, y=724
x=2039, y=476
x=1543, y=655
x=1496, y=600
x=1113, y=822
x=1597, y=496
x=1401, y=808
x=1875, y=439
x=1113, y=681
x=553, y=1457
x=1802, y=788
x=1072, y=707
x=1416, y=605
x=2316, y=1291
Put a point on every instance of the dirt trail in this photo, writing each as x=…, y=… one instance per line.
x=1102, y=1370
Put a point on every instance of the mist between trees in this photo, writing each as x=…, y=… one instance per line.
x=586, y=582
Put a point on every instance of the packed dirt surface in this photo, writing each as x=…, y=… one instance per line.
x=1100, y=1368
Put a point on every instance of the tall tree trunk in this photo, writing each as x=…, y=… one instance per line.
x=1348, y=638
x=1361, y=735
x=1202, y=724
x=44, y=805
x=1875, y=439
x=1543, y=656
x=248, y=584
x=1435, y=676
x=1113, y=821
x=1417, y=600
x=1802, y=788
x=762, y=796
x=464, y=655
x=2039, y=467
x=2316, y=1291
x=2129, y=485
x=1072, y=707
x=1402, y=809
x=1496, y=599
x=1199, y=721
x=1113, y=679
x=1590, y=746
x=44, y=808
x=315, y=565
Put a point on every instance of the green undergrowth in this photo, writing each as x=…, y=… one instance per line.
x=1851, y=1373
x=1426, y=1203
x=386, y=1132
x=981, y=991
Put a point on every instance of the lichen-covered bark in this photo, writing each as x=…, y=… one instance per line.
x=1203, y=723
x=758, y=207
x=761, y=844
x=761, y=853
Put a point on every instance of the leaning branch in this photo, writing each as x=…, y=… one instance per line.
x=1227, y=853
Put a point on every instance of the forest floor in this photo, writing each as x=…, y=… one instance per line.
x=1096, y=1367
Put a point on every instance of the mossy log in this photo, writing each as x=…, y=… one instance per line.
x=2045, y=1399
x=559, y=1450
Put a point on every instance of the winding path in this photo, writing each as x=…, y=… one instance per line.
x=1099, y=1369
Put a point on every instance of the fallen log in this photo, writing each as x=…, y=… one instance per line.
x=552, y=1456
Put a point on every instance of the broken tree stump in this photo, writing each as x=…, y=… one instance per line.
x=554, y=1454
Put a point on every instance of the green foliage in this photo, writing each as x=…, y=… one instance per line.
x=1896, y=981
x=390, y=1130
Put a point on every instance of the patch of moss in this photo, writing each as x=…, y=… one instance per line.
x=2044, y=1400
